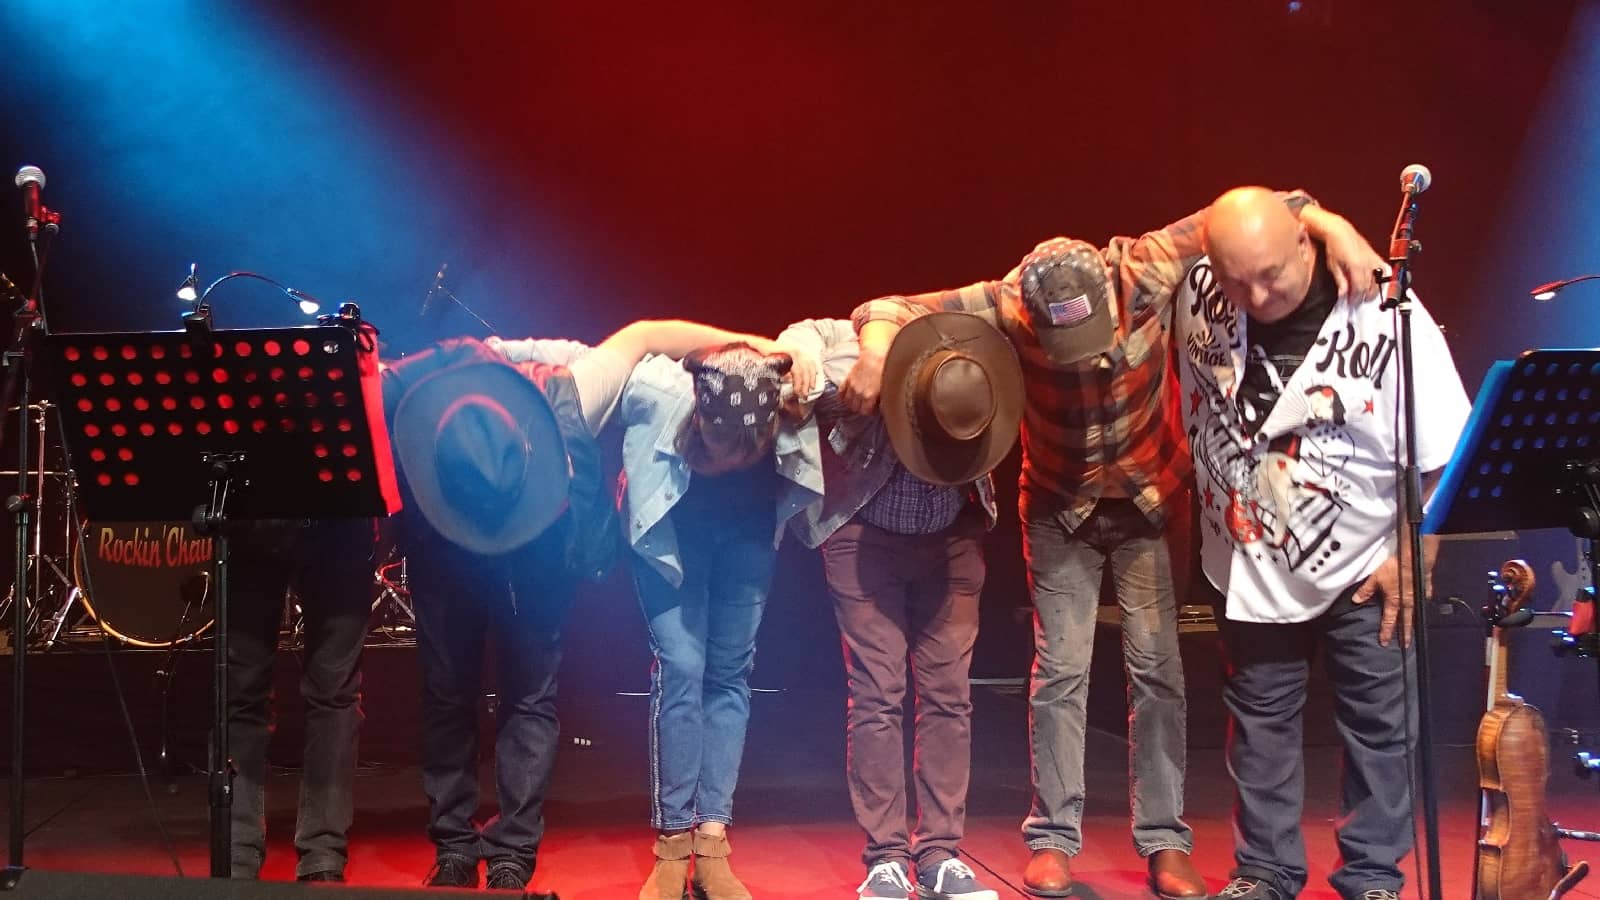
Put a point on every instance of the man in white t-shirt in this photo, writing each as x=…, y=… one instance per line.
x=1292, y=404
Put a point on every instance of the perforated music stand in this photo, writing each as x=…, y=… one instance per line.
x=1527, y=457
x=282, y=423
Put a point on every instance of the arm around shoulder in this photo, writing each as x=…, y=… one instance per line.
x=676, y=338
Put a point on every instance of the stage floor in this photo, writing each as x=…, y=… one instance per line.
x=794, y=839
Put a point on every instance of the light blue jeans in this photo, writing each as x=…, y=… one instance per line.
x=703, y=635
x=1065, y=568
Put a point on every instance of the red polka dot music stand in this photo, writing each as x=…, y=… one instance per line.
x=219, y=426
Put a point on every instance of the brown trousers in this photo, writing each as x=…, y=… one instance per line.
x=906, y=599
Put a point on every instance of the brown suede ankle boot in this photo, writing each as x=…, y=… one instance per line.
x=669, y=879
x=713, y=877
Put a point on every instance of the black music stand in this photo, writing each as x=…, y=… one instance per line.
x=1527, y=457
x=281, y=423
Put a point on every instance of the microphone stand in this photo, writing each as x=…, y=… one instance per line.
x=1402, y=247
x=439, y=288
x=28, y=324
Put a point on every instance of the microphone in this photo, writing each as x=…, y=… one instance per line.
x=438, y=281
x=31, y=180
x=1415, y=179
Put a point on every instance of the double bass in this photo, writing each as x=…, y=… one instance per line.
x=1519, y=850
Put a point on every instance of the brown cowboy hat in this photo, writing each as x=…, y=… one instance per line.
x=952, y=397
x=479, y=445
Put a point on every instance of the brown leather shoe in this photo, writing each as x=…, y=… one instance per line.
x=1049, y=873
x=1174, y=877
x=713, y=878
x=669, y=880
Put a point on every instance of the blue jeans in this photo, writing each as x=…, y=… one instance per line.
x=1268, y=665
x=703, y=635
x=1064, y=571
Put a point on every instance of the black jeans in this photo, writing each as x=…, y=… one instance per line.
x=519, y=603
x=1265, y=694
x=330, y=563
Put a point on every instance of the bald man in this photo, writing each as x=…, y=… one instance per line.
x=1291, y=399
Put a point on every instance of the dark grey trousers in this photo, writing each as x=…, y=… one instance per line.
x=330, y=563
x=1267, y=670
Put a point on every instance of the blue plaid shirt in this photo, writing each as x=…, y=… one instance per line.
x=908, y=505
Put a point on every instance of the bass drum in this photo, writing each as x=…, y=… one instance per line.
x=146, y=583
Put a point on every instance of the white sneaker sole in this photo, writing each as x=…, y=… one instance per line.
x=928, y=894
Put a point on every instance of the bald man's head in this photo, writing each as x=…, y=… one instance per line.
x=1261, y=254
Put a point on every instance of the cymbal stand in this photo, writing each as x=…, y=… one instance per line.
x=51, y=628
x=394, y=605
x=45, y=633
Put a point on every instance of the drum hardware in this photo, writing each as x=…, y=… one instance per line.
x=147, y=584
x=48, y=574
x=394, y=618
x=167, y=671
x=397, y=617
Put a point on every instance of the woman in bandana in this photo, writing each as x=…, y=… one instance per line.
x=712, y=473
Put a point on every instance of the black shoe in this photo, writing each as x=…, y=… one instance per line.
x=1241, y=888
x=507, y=875
x=451, y=870
x=329, y=875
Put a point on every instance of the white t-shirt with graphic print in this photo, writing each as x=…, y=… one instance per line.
x=1305, y=507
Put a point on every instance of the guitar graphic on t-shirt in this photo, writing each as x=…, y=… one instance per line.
x=1291, y=495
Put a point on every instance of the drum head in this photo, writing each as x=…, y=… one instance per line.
x=147, y=583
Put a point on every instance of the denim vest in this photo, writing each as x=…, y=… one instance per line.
x=657, y=401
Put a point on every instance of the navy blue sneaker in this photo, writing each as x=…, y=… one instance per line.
x=952, y=880
x=886, y=881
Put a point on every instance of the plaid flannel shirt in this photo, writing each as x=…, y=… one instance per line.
x=1111, y=421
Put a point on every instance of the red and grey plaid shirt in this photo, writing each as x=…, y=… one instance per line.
x=1110, y=424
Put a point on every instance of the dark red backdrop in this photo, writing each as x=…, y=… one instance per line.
x=753, y=163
